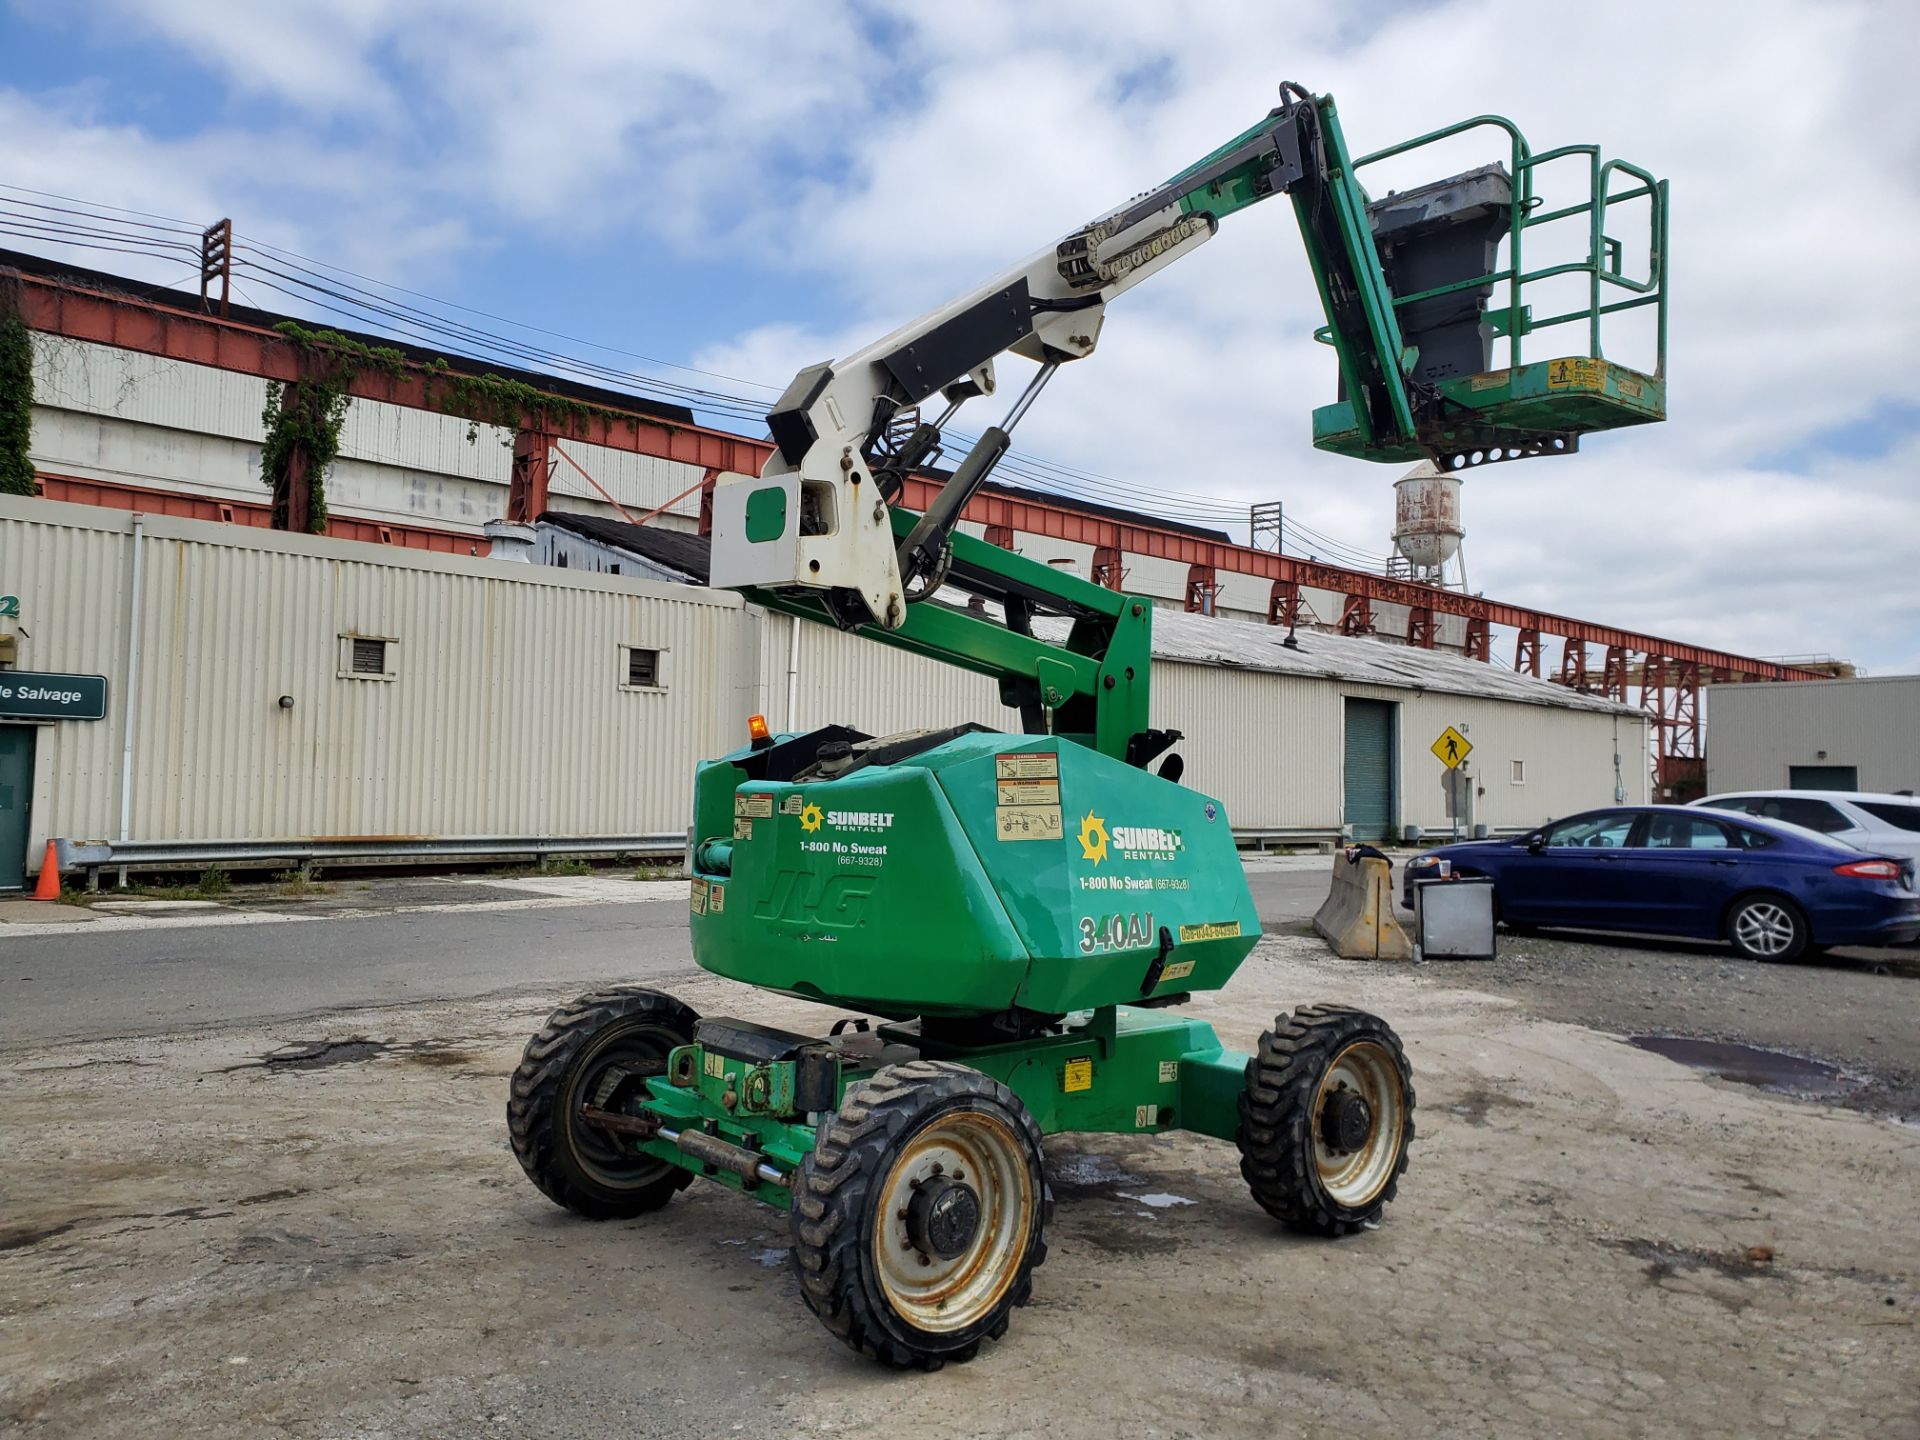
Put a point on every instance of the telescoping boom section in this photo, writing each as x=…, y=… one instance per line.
x=1429, y=295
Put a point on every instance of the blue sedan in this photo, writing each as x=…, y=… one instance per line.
x=1771, y=890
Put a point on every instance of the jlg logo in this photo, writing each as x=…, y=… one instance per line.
x=838, y=902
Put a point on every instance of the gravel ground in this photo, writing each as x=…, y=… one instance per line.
x=1592, y=1240
x=1858, y=1010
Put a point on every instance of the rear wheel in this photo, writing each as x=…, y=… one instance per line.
x=1326, y=1119
x=1767, y=927
x=919, y=1218
x=600, y=1050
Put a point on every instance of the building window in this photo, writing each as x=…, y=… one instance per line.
x=643, y=668
x=1519, y=772
x=367, y=657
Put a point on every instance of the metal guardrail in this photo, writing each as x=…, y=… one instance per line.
x=93, y=856
x=346, y=850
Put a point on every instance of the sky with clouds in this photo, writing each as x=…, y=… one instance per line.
x=749, y=189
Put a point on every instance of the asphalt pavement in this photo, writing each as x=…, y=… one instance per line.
x=90, y=982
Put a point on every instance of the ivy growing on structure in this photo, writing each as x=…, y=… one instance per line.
x=306, y=417
x=310, y=422
x=16, y=401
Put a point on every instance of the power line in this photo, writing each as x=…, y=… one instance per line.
x=320, y=285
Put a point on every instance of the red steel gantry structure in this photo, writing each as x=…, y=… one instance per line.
x=1670, y=672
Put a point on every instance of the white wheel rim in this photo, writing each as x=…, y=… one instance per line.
x=981, y=1150
x=1764, y=928
x=1365, y=1068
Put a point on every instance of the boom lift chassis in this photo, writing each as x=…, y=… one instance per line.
x=1012, y=919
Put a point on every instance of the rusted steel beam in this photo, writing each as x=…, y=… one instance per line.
x=1420, y=627
x=115, y=495
x=79, y=313
x=1526, y=652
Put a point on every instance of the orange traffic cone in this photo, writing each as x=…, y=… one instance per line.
x=49, y=886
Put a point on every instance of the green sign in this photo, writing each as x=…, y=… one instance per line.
x=53, y=697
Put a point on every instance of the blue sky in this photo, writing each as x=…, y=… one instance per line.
x=747, y=191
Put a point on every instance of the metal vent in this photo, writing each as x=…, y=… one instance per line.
x=369, y=657
x=643, y=669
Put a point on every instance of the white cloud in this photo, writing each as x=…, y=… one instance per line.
x=875, y=159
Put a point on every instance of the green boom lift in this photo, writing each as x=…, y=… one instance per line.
x=1012, y=920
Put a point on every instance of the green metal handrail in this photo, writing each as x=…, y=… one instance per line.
x=1602, y=264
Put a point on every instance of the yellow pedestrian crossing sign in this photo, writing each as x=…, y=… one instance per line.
x=1452, y=747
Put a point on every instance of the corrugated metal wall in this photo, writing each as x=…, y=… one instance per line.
x=507, y=712
x=1758, y=731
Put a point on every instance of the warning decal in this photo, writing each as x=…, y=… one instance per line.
x=1577, y=372
x=1078, y=1075
x=1027, y=766
x=754, y=807
x=1027, y=792
x=697, y=901
x=1028, y=822
x=743, y=829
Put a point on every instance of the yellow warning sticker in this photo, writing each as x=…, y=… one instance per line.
x=1027, y=792
x=757, y=806
x=1078, y=1075
x=1214, y=930
x=1179, y=970
x=742, y=829
x=1028, y=822
x=1027, y=766
x=1577, y=372
x=697, y=901
x=715, y=1064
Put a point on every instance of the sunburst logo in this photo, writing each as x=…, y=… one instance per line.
x=810, y=818
x=1093, y=838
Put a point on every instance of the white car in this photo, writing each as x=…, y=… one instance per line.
x=1880, y=824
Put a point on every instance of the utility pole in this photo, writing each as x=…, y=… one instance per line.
x=1263, y=527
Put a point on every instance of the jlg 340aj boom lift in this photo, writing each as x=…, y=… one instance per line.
x=1020, y=913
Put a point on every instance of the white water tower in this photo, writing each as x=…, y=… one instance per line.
x=1426, y=526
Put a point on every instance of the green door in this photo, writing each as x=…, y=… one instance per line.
x=1823, y=777
x=16, y=793
x=1368, y=769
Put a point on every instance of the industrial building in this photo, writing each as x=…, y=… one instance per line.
x=403, y=681
x=280, y=698
x=1843, y=734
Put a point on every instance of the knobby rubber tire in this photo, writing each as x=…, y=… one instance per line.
x=836, y=1189
x=1276, y=1117
x=538, y=1100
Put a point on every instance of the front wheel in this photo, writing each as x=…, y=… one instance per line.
x=1766, y=927
x=920, y=1216
x=1326, y=1119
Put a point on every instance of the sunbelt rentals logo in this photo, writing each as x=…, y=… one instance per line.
x=1128, y=842
x=866, y=822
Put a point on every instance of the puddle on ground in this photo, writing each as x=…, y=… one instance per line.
x=318, y=1054
x=1750, y=1065
x=1160, y=1202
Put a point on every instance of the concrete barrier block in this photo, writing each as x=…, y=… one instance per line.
x=1356, y=919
